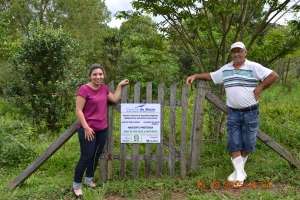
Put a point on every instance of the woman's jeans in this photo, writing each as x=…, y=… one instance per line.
x=90, y=154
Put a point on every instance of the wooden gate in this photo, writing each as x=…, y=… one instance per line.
x=173, y=155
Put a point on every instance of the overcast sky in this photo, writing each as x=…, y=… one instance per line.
x=118, y=5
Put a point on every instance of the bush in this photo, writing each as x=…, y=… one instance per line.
x=14, y=137
x=43, y=85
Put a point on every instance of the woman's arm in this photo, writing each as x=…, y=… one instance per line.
x=114, y=98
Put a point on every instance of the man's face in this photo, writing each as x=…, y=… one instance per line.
x=238, y=55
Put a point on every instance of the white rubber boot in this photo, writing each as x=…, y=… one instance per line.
x=238, y=164
x=232, y=176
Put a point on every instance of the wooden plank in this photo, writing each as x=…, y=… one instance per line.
x=142, y=157
x=148, y=146
x=172, y=130
x=198, y=114
x=166, y=103
x=159, y=150
x=193, y=132
x=103, y=166
x=277, y=148
x=110, y=138
x=260, y=135
x=216, y=101
x=135, y=147
x=184, y=113
x=44, y=157
x=123, y=145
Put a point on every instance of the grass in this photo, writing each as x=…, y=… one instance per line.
x=279, y=119
x=53, y=180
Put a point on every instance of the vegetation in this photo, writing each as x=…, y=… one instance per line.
x=46, y=48
x=41, y=87
x=206, y=29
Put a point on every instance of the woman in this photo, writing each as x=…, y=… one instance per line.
x=91, y=104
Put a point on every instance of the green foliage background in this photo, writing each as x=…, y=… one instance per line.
x=46, y=48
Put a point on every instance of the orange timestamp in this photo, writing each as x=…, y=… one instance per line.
x=231, y=185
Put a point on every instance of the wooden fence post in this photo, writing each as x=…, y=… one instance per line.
x=172, y=131
x=135, y=146
x=160, y=146
x=123, y=145
x=198, y=114
x=148, y=146
x=107, y=163
x=184, y=113
x=111, y=138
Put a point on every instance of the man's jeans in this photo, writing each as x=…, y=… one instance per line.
x=242, y=129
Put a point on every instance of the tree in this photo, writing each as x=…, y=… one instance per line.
x=83, y=20
x=207, y=28
x=42, y=84
x=145, y=57
x=111, y=50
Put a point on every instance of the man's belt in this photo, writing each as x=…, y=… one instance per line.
x=245, y=109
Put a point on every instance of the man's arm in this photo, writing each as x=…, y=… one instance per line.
x=268, y=81
x=203, y=76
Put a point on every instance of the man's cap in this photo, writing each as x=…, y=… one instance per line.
x=238, y=45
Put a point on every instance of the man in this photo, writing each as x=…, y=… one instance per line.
x=240, y=78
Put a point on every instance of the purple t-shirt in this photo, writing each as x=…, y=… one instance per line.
x=94, y=109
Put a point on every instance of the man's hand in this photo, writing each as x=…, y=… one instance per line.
x=190, y=80
x=256, y=93
x=204, y=76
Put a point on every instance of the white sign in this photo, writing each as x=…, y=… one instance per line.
x=140, y=123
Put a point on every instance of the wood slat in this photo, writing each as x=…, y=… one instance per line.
x=123, y=145
x=184, y=114
x=148, y=146
x=198, y=114
x=159, y=150
x=141, y=157
x=172, y=130
x=135, y=147
x=110, y=138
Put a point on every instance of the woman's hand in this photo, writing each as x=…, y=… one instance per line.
x=124, y=82
x=114, y=98
x=89, y=134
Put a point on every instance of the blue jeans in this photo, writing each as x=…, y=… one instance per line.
x=90, y=154
x=242, y=129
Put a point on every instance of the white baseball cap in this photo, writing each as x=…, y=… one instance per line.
x=238, y=45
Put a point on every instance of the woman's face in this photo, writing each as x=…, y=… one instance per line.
x=97, y=76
